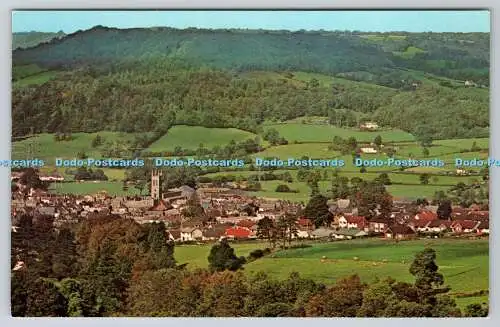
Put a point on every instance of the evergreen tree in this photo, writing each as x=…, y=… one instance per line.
x=222, y=257
x=317, y=210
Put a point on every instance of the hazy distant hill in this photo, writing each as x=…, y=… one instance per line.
x=456, y=55
x=31, y=39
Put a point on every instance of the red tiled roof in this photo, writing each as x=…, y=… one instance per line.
x=358, y=220
x=475, y=207
x=161, y=206
x=420, y=223
x=246, y=223
x=426, y=215
x=439, y=222
x=485, y=224
x=304, y=222
x=176, y=233
x=479, y=215
x=466, y=224
x=238, y=232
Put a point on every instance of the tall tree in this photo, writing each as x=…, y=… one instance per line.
x=266, y=230
x=444, y=209
x=317, y=210
x=222, y=257
x=427, y=278
x=373, y=199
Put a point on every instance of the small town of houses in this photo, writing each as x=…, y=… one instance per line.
x=235, y=216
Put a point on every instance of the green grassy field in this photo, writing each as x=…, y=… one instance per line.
x=313, y=150
x=412, y=192
x=45, y=147
x=325, y=133
x=409, y=53
x=416, y=151
x=269, y=187
x=113, y=174
x=450, y=158
x=464, y=263
x=83, y=188
x=409, y=192
x=483, y=143
x=407, y=185
x=190, y=137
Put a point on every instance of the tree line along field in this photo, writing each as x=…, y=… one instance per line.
x=464, y=263
x=405, y=183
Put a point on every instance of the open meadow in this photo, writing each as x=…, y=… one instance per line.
x=464, y=263
x=45, y=147
x=190, y=137
x=324, y=133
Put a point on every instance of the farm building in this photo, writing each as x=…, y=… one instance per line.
x=368, y=150
x=369, y=126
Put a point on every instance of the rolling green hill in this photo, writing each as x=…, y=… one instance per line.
x=314, y=51
x=149, y=79
x=463, y=263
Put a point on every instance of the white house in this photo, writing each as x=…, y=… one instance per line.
x=368, y=150
x=191, y=234
x=369, y=125
x=342, y=222
x=303, y=234
x=271, y=214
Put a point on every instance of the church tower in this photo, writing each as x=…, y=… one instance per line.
x=155, y=184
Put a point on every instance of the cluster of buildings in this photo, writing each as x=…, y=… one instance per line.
x=233, y=215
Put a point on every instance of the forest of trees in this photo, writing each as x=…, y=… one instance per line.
x=111, y=266
x=152, y=96
x=458, y=55
x=163, y=77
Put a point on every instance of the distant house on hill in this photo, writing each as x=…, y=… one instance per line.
x=54, y=177
x=369, y=126
x=368, y=150
x=469, y=84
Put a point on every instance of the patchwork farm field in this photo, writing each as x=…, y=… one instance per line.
x=190, y=137
x=464, y=263
x=44, y=146
x=325, y=133
x=83, y=188
x=312, y=150
x=307, y=136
